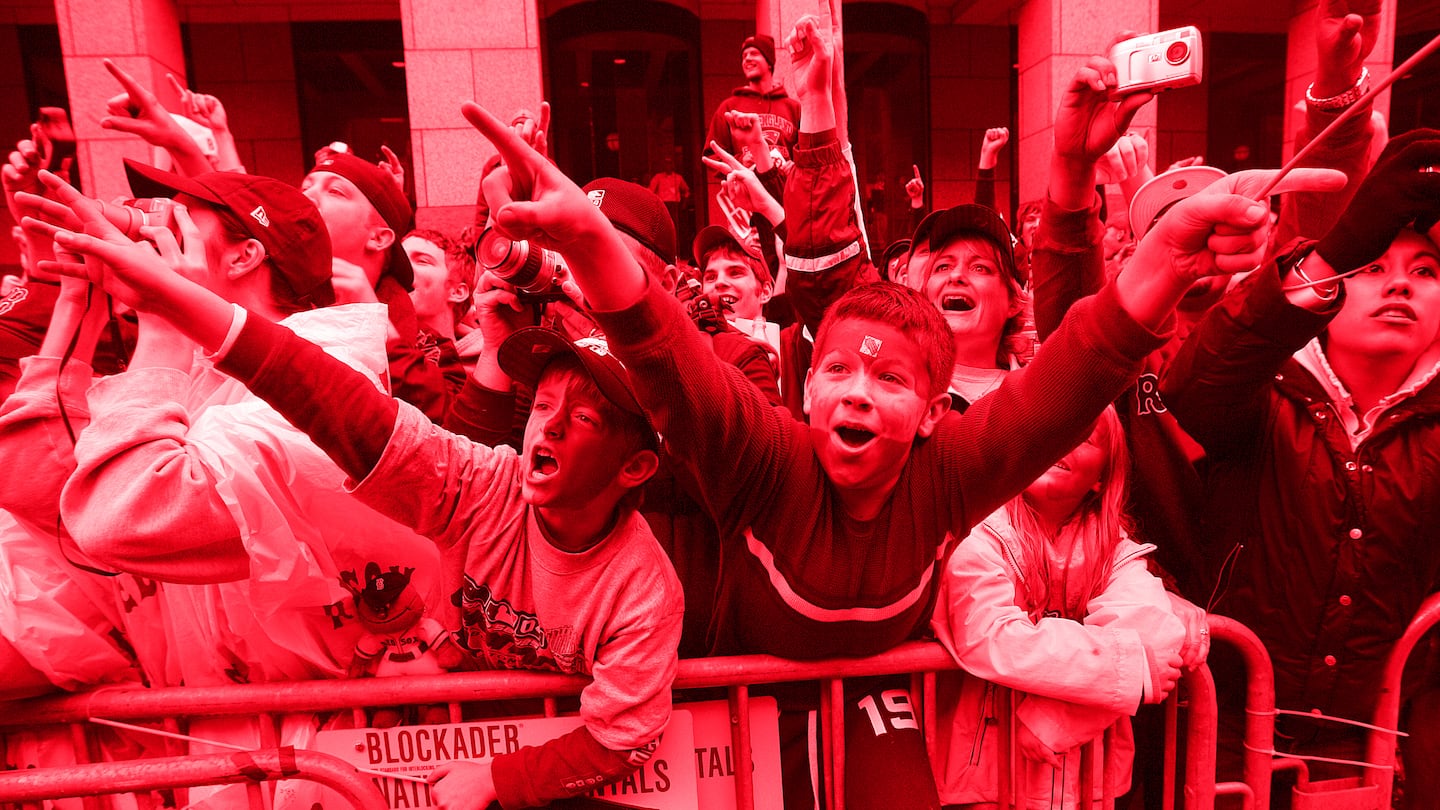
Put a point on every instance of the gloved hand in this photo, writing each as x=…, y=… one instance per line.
x=1402, y=188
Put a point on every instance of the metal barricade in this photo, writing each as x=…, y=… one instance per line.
x=1371, y=791
x=1380, y=749
x=176, y=706
x=191, y=771
x=71, y=713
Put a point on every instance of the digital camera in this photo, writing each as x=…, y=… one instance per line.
x=132, y=215
x=534, y=272
x=1157, y=62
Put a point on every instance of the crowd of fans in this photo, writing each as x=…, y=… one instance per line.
x=253, y=433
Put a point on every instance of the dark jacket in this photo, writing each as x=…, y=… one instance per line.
x=1337, y=544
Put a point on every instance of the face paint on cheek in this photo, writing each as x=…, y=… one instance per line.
x=870, y=346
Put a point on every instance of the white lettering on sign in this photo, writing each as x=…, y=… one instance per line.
x=715, y=760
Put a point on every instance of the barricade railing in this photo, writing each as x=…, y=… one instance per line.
x=272, y=701
x=1380, y=748
x=98, y=779
x=71, y=714
x=175, y=706
x=1371, y=791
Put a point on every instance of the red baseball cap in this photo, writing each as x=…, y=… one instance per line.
x=276, y=214
x=386, y=197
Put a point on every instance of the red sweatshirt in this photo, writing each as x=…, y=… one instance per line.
x=801, y=578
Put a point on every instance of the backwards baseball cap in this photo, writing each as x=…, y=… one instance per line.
x=714, y=237
x=1156, y=196
x=897, y=249
x=762, y=43
x=524, y=355
x=635, y=210
x=940, y=227
x=386, y=197
x=276, y=214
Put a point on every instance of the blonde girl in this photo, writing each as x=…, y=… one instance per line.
x=1050, y=598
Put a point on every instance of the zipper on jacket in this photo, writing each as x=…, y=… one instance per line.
x=986, y=718
x=1222, y=577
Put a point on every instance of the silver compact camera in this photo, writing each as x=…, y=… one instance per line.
x=1155, y=62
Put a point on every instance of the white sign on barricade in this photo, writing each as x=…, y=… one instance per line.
x=715, y=757
x=666, y=782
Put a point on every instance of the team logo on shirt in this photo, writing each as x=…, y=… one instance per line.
x=13, y=300
x=502, y=637
x=1147, y=395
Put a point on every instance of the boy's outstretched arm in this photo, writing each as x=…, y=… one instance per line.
x=824, y=252
x=531, y=199
x=1067, y=262
x=1219, y=232
x=708, y=412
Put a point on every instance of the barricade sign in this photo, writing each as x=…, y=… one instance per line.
x=665, y=782
x=715, y=757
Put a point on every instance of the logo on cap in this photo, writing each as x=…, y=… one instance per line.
x=260, y=216
x=596, y=196
x=596, y=345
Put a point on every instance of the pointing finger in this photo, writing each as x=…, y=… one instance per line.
x=513, y=149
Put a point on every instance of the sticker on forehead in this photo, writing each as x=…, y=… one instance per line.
x=871, y=346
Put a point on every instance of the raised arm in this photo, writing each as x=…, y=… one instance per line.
x=45, y=415
x=1345, y=35
x=705, y=408
x=1236, y=351
x=1043, y=410
x=138, y=112
x=824, y=254
x=342, y=410
x=207, y=111
x=1067, y=259
x=991, y=145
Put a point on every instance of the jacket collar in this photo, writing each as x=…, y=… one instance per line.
x=1359, y=426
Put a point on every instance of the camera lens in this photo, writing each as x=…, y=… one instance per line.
x=517, y=262
x=1177, y=52
x=507, y=259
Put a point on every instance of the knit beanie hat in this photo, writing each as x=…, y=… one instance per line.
x=762, y=43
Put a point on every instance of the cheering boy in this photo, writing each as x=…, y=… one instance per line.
x=549, y=562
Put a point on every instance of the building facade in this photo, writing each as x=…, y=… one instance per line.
x=632, y=82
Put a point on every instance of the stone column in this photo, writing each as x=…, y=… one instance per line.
x=1056, y=37
x=1300, y=64
x=14, y=125
x=140, y=36
x=456, y=51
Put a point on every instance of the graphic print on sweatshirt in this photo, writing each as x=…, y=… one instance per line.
x=500, y=636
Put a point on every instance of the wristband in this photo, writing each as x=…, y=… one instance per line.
x=237, y=322
x=1337, y=103
x=1294, y=279
x=1325, y=290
